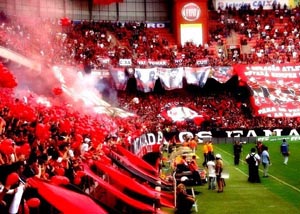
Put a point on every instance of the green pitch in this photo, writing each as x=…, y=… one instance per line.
x=277, y=194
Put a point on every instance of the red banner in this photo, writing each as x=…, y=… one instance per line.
x=106, y=2
x=275, y=88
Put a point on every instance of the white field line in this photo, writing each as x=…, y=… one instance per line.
x=277, y=179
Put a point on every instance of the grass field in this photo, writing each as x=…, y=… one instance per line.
x=277, y=194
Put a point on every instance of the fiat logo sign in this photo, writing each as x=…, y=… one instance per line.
x=190, y=12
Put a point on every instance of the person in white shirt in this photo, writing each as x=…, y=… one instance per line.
x=265, y=160
x=211, y=173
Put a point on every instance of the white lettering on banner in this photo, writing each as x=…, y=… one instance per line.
x=273, y=69
x=202, y=135
x=277, y=132
x=156, y=25
x=151, y=139
x=282, y=109
x=177, y=61
x=284, y=75
x=201, y=61
x=251, y=133
x=268, y=132
x=294, y=132
x=101, y=73
x=103, y=60
x=279, y=112
x=268, y=68
x=182, y=134
x=267, y=110
x=160, y=138
x=290, y=68
x=237, y=133
x=125, y=62
x=295, y=138
x=257, y=73
x=158, y=63
x=142, y=62
x=147, y=142
x=149, y=24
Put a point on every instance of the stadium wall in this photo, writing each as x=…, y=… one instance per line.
x=129, y=10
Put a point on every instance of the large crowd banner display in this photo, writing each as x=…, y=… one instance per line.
x=190, y=21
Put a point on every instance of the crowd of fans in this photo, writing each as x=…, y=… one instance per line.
x=87, y=43
x=52, y=146
x=271, y=35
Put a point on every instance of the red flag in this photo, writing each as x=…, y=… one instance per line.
x=106, y=2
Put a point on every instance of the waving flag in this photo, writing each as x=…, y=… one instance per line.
x=179, y=113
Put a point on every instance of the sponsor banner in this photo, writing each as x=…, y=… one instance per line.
x=145, y=79
x=275, y=88
x=202, y=62
x=171, y=78
x=125, y=62
x=191, y=12
x=119, y=77
x=158, y=63
x=254, y=4
x=279, y=138
x=222, y=73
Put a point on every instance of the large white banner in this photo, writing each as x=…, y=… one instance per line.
x=197, y=76
x=145, y=79
x=171, y=78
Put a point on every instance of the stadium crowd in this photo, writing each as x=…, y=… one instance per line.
x=55, y=146
x=271, y=40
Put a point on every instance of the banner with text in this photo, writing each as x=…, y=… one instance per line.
x=275, y=88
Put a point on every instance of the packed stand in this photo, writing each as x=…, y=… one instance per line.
x=88, y=43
